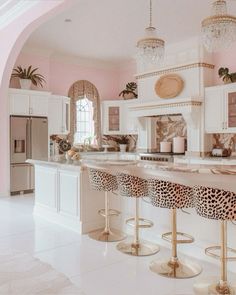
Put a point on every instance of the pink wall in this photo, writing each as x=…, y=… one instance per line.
x=14, y=35
x=225, y=59
x=60, y=75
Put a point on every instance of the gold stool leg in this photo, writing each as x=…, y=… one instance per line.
x=174, y=268
x=107, y=234
x=137, y=247
x=223, y=287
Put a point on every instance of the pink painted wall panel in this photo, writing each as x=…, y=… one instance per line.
x=63, y=75
x=225, y=59
x=38, y=61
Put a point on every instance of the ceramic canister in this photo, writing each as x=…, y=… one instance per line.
x=165, y=147
x=178, y=145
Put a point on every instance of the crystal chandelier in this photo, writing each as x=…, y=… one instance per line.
x=150, y=50
x=219, y=30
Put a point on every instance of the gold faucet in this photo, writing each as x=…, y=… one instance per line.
x=87, y=142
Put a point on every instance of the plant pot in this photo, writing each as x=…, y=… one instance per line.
x=25, y=83
x=129, y=95
x=123, y=148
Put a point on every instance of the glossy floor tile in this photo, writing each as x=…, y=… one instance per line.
x=96, y=268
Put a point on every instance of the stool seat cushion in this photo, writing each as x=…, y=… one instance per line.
x=102, y=181
x=165, y=194
x=215, y=203
x=131, y=186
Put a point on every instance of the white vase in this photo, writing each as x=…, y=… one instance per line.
x=25, y=83
x=123, y=148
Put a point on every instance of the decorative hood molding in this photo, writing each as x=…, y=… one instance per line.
x=190, y=108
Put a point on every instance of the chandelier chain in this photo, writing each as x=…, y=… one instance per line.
x=150, y=14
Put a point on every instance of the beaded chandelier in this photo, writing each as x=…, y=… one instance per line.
x=150, y=50
x=218, y=30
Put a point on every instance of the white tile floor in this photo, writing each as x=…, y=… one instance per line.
x=96, y=268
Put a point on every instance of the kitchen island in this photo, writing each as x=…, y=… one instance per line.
x=63, y=195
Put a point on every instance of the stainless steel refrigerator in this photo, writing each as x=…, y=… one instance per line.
x=28, y=140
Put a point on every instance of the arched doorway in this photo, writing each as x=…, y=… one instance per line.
x=13, y=37
x=85, y=112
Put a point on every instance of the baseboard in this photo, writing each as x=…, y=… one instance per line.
x=4, y=194
x=69, y=222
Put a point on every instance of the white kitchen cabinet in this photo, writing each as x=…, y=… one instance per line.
x=59, y=114
x=69, y=192
x=116, y=118
x=28, y=102
x=220, y=109
x=46, y=186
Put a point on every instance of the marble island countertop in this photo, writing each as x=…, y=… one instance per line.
x=183, y=165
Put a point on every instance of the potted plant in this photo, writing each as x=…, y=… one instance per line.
x=28, y=76
x=123, y=141
x=130, y=91
x=227, y=77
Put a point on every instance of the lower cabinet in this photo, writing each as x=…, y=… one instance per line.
x=64, y=196
x=69, y=188
x=46, y=187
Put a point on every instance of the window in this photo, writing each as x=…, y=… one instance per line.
x=84, y=120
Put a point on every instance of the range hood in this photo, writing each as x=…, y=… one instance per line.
x=189, y=108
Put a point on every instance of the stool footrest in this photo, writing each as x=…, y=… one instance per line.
x=143, y=223
x=111, y=212
x=210, y=252
x=168, y=237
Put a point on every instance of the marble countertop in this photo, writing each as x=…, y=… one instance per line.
x=126, y=159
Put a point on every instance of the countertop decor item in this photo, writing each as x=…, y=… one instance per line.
x=169, y=86
x=227, y=77
x=151, y=49
x=130, y=91
x=178, y=145
x=165, y=147
x=28, y=76
x=123, y=141
x=64, y=145
x=219, y=30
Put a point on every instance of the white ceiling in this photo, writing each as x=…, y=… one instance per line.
x=108, y=29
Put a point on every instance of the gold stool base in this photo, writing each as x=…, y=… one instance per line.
x=144, y=248
x=217, y=289
x=113, y=235
x=211, y=286
x=175, y=270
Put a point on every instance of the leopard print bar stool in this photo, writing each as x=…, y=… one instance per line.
x=103, y=181
x=135, y=187
x=165, y=194
x=218, y=204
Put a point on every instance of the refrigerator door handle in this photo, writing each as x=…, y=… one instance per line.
x=28, y=139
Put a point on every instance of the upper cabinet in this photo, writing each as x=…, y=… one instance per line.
x=115, y=118
x=59, y=114
x=220, y=109
x=28, y=102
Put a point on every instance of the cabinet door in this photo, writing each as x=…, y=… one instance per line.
x=38, y=105
x=66, y=115
x=214, y=110
x=230, y=111
x=46, y=187
x=111, y=119
x=19, y=104
x=68, y=193
x=55, y=121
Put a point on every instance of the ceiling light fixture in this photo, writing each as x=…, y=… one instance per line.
x=68, y=20
x=150, y=51
x=219, y=30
